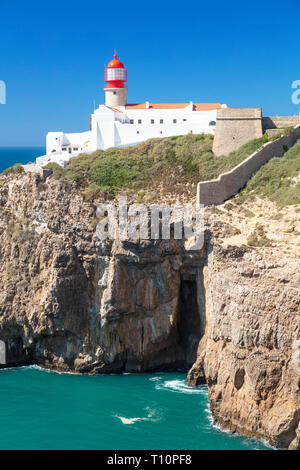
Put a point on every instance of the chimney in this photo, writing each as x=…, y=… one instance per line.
x=147, y=104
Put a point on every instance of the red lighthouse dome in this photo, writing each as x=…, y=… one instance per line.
x=115, y=74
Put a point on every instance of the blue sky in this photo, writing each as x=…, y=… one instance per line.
x=53, y=55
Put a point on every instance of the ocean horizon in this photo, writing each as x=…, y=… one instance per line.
x=9, y=156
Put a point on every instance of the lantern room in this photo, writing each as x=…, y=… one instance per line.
x=115, y=74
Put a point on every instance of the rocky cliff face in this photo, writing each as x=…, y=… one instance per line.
x=71, y=302
x=249, y=354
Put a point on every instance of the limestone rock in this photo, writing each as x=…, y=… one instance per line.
x=71, y=302
x=249, y=355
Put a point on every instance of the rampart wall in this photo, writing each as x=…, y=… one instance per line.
x=278, y=122
x=228, y=184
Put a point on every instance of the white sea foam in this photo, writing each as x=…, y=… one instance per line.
x=4, y=369
x=236, y=435
x=180, y=386
x=42, y=369
x=245, y=439
x=129, y=420
x=53, y=371
x=155, y=379
x=152, y=416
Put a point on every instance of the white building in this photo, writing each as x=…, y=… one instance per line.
x=118, y=124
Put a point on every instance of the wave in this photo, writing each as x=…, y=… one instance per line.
x=180, y=386
x=42, y=369
x=152, y=416
x=53, y=371
x=155, y=379
x=245, y=439
x=5, y=369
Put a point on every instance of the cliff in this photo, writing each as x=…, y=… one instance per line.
x=249, y=354
x=73, y=303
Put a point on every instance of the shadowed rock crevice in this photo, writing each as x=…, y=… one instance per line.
x=189, y=325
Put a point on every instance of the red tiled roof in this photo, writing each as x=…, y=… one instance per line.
x=196, y=106
x=206, y=106
x=157, y=106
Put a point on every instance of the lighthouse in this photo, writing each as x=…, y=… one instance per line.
x=119, y=124
x=115, y=76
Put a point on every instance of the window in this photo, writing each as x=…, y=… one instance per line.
x=152, y=121
x=114, y=92
x=161, y=121
x=184, y=119
x=139, y=121
x=64, y=149
x=174, y=121
x=75, y=149
x=131, y=121
x=137, y=132
x=161, y=132
x=212, y=123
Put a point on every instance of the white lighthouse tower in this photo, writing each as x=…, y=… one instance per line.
x=115, y=75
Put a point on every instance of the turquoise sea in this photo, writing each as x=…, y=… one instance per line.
x=47, y=410
x=40, y=409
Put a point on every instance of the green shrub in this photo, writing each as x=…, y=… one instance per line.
x=58, y=171
x=288, y=130
x=17, y=168
x=172, y=162
x=91, y=192
x=229, y=206
x=277, y=136
x=248, y=213
x=275, y=179
x=258, y=237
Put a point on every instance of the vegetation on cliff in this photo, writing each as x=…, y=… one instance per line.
x=17, y=168
x=176, y=163
x=278, y=180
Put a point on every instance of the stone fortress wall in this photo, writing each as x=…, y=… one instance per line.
x=236, y=126
x=228, y=184
x=279, y=122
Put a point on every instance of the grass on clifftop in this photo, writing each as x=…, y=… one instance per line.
x=174, y=163
x=278, y=180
